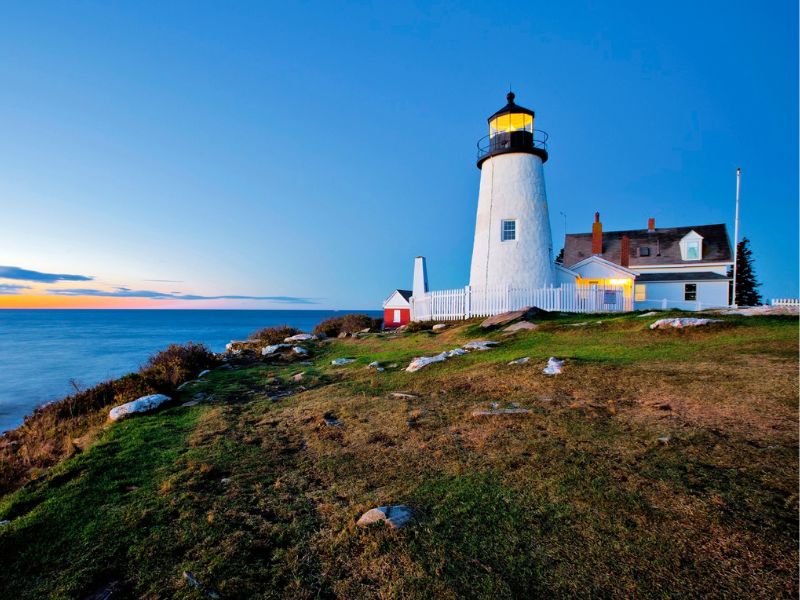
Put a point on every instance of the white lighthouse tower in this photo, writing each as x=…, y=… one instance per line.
x=513, y=245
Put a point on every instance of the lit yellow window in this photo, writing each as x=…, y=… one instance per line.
x=640, y=292
x=511, y=122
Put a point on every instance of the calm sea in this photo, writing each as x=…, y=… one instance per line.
x=41, y=350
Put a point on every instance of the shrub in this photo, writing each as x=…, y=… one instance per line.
x=349, y=323
x=273, y=335
x=178, y=363
x=415, y=326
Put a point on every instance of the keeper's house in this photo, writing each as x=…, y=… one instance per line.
x=674, y=267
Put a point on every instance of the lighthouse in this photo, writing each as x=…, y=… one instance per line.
x=513, y=244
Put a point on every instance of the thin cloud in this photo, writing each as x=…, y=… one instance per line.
x=12, y=288
x=38, y=276
x=163, y=280
x=123, y=292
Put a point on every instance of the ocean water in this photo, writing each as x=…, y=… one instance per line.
x=42, y=350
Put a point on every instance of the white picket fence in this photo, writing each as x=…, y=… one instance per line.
x=466, y=302
x=786, y=302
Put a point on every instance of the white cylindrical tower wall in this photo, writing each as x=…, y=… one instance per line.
x=512, y=188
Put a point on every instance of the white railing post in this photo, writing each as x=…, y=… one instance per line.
x=467, y=302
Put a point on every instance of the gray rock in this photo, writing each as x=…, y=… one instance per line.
x=300, y=337
x=195, y=583
x=330, y=420
x=342, y=335
x=298, y=376
x=652, y=313
x=273, y=348
x=439, y=327
x=190, y=403
x=554, y=366
x=511, y=316
x=404, y=395
x=140, y=405
x=299, y=350
x=374, y=364
x=681, y=323
x=521, y=326
x=520, y=361
x=338, y=362
x=396, y=517
x=665, y=440
x=480, y=345
x=203, y=373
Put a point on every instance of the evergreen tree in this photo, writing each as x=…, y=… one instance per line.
x=560, y=257
x=746, y=284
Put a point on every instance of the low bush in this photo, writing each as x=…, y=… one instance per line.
x=415, y=326
x=273, y=335
x=51, y=433
x=349, y=323
x=177, y=363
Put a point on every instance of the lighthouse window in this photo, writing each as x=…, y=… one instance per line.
x=508, y=231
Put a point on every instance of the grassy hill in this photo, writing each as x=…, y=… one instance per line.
x=257, y=497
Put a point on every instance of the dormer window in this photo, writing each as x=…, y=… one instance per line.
x=692, y=246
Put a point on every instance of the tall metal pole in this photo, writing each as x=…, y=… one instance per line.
x=736, y=236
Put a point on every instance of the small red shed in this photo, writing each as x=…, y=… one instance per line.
x=397, y=309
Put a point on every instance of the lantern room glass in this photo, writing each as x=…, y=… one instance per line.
x=511, y=122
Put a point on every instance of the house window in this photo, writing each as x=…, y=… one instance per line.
x=692, y=250
x=640, y=292
x=690, y=292
x=644, y=251
x=508, y=231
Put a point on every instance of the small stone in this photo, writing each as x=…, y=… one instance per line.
x=342, y=335
x=392, y=366
x=338, y=362
x=204, y=373
x=300, y=337
x=480, y=345
x=520, y=361
x=652, y=313
x=330, y=420
x=273, y=348
x=380, y=369
x=403, y=395
x=521, y=326
x=190, y=403
x=365, y=330
x=299, y=350
x=554, y=366
x=665, y=440
x=439, y=327
x=225, y=480
x=396, y=517
x=374, y=364
x=298, y=377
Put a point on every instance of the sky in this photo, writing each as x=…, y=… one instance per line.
x=301, y=154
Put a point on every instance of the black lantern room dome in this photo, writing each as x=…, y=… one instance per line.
x=511, y=130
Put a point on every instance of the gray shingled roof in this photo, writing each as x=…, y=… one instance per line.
x=663, y=243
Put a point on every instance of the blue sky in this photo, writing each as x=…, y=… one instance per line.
x=265, y=155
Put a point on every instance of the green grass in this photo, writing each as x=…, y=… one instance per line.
x=258, y=498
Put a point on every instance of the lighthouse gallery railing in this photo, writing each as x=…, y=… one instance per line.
x=467, y=302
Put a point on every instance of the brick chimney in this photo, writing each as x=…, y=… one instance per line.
x=651, y=225
x=625, y=252
x=597, y=235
